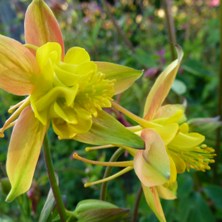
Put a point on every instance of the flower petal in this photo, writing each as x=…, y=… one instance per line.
x=124, y=76
x=153, y=200
x=107, y=130
x=187, y=140
x=17, y=67
x=167, y=193
x=41, y=25
x=77, y=56
x=167, y=132
x=152, y=165
x=23, y=152
x=161, y=87
x=170, y=114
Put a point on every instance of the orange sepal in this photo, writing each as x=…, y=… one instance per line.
x=23, y=152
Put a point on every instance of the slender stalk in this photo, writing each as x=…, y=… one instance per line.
x=170, y=27
x=55, y=189
x=114, y=157
x=218, y=138
x=136, y=206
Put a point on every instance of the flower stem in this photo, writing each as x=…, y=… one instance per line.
x=136, y=206
x=170, y=27
x=114, y=157
x=51, y=173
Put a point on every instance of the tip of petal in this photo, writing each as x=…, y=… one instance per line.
x=11, y=196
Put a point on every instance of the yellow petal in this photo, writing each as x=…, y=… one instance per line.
x=76, y=56
x=170, y=114
x=161, y=88
x=167, y=192
x=68, y=131
x=179, y=162
x=153, y=200
x=41, y=25
x=17, y=67
x=23, y=153
x=152, y=165
x=187, y=140
x=167, y=132
x=41, y=105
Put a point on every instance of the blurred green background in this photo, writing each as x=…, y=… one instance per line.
x=133, y=33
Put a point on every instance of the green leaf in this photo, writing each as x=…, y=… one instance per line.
x=200, y=210
x=214, y=193
x=107, y=130
x=124, y=76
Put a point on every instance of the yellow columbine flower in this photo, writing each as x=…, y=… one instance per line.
x=169, y=146
x=68, y=90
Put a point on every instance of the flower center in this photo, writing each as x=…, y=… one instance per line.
x=69, y=91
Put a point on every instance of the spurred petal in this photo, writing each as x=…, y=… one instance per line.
x=17, y=67
x=152, y=165
x=124, y=76
x=41, y=25
x=167, y=193
x=153, y=200
x=170, y=114
x=161, y=87
x=23, y=153
x=163, y=130
x=107, y=130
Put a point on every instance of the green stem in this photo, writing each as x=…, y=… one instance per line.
x=136, y=205
x=114, y=157
x=218, y=138
x=170, y=27
x=55, y=189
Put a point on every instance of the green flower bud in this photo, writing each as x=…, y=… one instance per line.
x=99, y=211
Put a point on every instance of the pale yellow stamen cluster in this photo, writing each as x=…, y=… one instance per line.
x=197, y=158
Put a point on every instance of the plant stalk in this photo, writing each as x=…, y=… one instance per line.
x=136, y=205
x=51, y=174
x=170, y=27
x=114, y=157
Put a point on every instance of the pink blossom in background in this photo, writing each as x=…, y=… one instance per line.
x=214, y=3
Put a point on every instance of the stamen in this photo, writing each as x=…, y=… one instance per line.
x=11, y=120
x=87, y=149
x=121, y=172
x=12, y=108
x=197, y=158
x=30, y=46
x=114, y=164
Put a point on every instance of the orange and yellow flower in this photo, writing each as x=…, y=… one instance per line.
x=170, y=147
x=68, y=90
